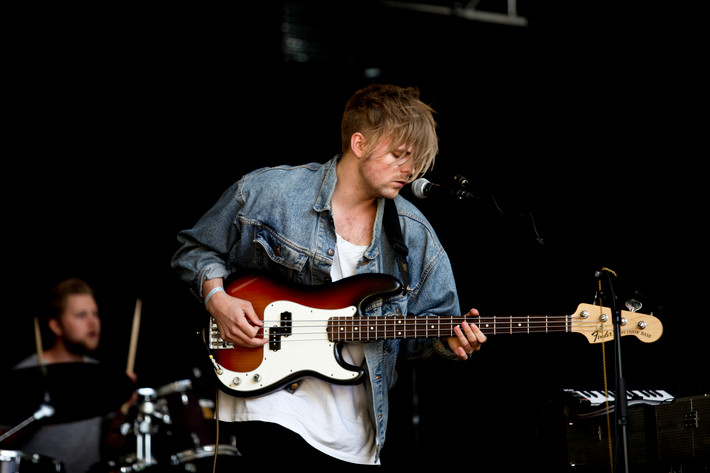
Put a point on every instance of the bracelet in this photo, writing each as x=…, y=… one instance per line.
x=212, y=292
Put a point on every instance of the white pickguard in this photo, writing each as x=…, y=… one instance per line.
x=306, y=350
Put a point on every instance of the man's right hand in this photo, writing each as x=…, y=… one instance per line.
x=236, y=319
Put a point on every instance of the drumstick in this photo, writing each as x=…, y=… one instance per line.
x=38, y=343
x=134, y=338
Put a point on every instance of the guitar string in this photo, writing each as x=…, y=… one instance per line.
x=415, y=322
x=412, y=332
x=450, y=320
x=422, y=324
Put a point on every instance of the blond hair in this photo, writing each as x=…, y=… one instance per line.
x=387, y=111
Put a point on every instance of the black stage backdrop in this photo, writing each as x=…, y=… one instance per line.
x=575, y=131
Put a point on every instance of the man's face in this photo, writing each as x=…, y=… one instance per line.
x=79, y=324
x=386, y=172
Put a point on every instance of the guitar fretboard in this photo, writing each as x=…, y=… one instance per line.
x=354, y=329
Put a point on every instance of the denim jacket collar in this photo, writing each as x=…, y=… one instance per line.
x=330, y=178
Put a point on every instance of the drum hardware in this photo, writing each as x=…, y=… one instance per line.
x=13, y=461
x=173, y=427
x=45, y=410
x=143, y=426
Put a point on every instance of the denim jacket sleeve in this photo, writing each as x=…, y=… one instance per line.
x=204, y=249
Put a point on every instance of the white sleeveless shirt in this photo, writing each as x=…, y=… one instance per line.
x=332, y=418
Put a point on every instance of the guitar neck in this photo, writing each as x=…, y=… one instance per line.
x=361, y=329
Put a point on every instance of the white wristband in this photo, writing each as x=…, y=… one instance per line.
x=212, y=292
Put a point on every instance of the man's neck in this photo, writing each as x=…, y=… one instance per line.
x=353, y=209
x=349, y=194
x=59, y=354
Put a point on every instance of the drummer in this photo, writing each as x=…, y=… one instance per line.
x=75, y=327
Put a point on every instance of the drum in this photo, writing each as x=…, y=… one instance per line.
x=186, y=438
x=13, y=461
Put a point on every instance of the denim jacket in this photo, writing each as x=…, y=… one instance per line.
x=280, y=220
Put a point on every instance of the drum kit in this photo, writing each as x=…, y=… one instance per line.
x=170, y=428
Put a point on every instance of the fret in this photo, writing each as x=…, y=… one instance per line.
x=345, y=328
x=356, y=329
x=484, y=325
x=518, y=325
x=421, y=330
x=400, y=328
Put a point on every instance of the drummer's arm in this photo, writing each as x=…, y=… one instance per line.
x=113, y=438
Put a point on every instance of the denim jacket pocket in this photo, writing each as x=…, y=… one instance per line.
x=276, y=254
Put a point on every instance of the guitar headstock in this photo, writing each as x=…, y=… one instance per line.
x=595, y=322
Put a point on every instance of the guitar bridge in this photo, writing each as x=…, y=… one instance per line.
x=214, y=338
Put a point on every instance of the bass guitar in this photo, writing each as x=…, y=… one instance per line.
x=307, y=325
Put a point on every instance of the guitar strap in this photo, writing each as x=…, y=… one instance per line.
x=394, y=233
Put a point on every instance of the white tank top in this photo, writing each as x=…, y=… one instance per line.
x=333, y=419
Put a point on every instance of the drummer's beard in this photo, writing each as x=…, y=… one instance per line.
x=79, y=347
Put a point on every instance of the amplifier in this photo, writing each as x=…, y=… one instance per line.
x=684, y=428
x=665, y=435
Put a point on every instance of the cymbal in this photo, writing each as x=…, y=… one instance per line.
x=76, y=391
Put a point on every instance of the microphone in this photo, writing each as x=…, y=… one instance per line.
x=422, y=188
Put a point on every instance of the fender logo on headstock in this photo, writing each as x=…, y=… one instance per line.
x=601, y=335
x=605, y=334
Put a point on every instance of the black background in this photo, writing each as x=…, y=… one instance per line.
x=125, y=126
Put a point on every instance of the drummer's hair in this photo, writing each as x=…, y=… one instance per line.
x=63, y=290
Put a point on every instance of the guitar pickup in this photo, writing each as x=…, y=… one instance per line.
x=283, y=330
x=286, y=318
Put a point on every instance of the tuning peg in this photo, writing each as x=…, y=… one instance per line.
x=633, y=305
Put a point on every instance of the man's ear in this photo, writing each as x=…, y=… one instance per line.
x=55, y=326
x=357, y=144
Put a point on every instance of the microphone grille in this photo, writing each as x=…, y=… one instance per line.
x=418, y=187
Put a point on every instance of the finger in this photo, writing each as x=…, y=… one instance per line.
x=237, y=329
x=462, y=353
x=247, y=338
x=251, y=314
x=480, y=336
x=255, y=326
x=474, y=337
x=465, y=336
x=250, y=334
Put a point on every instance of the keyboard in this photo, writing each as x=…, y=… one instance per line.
x=633, y=396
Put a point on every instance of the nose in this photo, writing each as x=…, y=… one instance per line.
x=408, y=168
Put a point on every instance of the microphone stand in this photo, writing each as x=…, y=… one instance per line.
x=622, y=405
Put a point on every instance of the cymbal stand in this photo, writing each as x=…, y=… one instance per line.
x=45, y=410
x=143, y=427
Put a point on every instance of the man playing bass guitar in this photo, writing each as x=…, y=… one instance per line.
x=315, y=224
